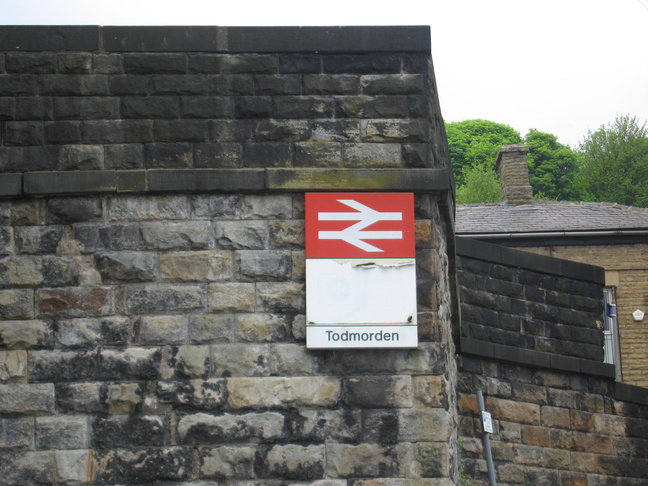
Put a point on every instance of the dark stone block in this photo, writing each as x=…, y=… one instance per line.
x=61, y=271
x=231, y=130
x=303, y=107
x=416, y=63
x=281, y=130
x=416, y=155
x=332, y=84
x=72, y=182
x=181, y=130
x=150, y=107
x=371, y=107
x=390, y=84
x=217, y=155
x=107, y=64
x=128, y=430
x=299, y=63
x=126, y=267
x=34, y=108
x=7, y=109
x=74, y=63
x=129, y=84
x=30, y=63
x=179, y=84
x=232, y=85
x=49, y=37
x=206, y=180
x=206, y=107
x=191, y=395
x=253, y=107
x=149, y=466
x=161, y=38
x=10, y=185
x=73, y=210
x=85, y=108
x=169, y=155
x=117, y=131
x=74, y=85
x=18, y=85
x=361, y=63
x=277, y=84
x=63, y=132
x=38, y=240
x=267, y=155
x=23, y=133
x=124, y=156
x=156, y=299
x=149, y=63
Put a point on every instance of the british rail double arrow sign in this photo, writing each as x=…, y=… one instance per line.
x=360, y=270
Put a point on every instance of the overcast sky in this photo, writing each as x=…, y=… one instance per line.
x=560, y=66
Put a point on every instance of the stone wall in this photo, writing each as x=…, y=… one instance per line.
x=528, y=342
x=152, y=266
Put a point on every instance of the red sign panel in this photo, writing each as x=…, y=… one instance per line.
x=359, y=225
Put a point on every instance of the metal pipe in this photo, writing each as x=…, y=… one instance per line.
x=486, y=441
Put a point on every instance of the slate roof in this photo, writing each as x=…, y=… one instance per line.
x=548, y=217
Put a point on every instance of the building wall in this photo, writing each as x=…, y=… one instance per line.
x=626, y=269
x=152, y=257
x=559, y=416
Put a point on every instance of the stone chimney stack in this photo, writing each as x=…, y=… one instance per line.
x=511, y=162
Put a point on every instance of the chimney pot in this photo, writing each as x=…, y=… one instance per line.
x=511, y=163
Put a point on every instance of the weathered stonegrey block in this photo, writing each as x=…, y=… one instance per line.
x=17, y=433
x=231, y=296
x=321, y=426
x=28, y=467
x=192, y=361
x=155, y=298
x=372, y=155
x=166, y=235
x=202, y=428
x=379, y=392
x=123, y=156
x=62, y=432
x=393, y=130
x=148, y=465
x=303, y=107
x=227, y=462
x=248, y=327
x=83, y=157
x=128, y=431
x=75, y=301
x=364, y=460
x=206, y=107
x=280, y=297
x=117, y=131
x=24, y=133
x=238, y=235
x=80, y=397
x=126, y=266
x=294, y=360
x=263, y=264
x=30, y=62
x=327, y=84
x=149, y=209
x=240, y=360
x=196, y=394
x=296, y=462
x=27, y=399
x=197, y=266
x=150, y=63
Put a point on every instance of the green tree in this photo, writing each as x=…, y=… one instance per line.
x=474, y=142
x=552, y=167
x=481, y=185
x=614, y=166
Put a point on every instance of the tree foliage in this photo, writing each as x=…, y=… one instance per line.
x=552, y=167
x=614, y=166
x=481, y=185
x=476, y=142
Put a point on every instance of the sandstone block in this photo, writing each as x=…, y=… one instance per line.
x=91, y=332
x=21, y=270
x=126, y=267
x=364, y=460
x=228, y=462
x=163, y=298
x=74, y=466
x=240, y=360
x=264, y=264
x=280, y=297
x=432, y=391
x=24, y=334
x=326, y=425
x=168, y=235
x=286, y=234
x=156, y=208
x=294, y=360
x=13, y=366
x=296, y=461
x=75, y=301
x=202, y=428
x=128, y=431
x=281, y=392
x=79, y=397
x=197, y=266
x=241, y=235
x=62, y=432
x=192, y=361
x=163, y=330
x=32, y=399
x=28, y=467
x=151, y=465
x=123, y=398
x=233, y=297
x=213, y=328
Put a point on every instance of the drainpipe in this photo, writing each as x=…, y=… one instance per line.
x=486, y=441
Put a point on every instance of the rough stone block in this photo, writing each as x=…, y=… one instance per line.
x=62, y=432
x=318, y=154
x=30, y=62
x=209, y=395
x=28, y=467
x=264, y=264
x=303, y=107
x=17, y=433
x=81, y=157
x=294, y=360
x=23, y=133
x=329, y=84
x=151, y=465
x=231, y=130
x=371, y=107
x=391, y=84
x=286, y=234
x=214, y=328
x=281, y=130
x=293, y=461
x=123, y=398
x=80, y=397
x=128, y=431
x=191, y=235
x=206, y=107
x=117, y=131
x=197, y=266
x=254, y=328
x=192, y=361
x=283, y=392
x=75, y=302
x=379, y=392
x=150, y=107
x=24, y=334
x=394, y=131
x=23, y=399
x=13, y=365
x=253, y=107
x=155, y=208
x=364, y=460
x=124, y=156
x=113, y=331
x=280, y=297
x=125, y=266
x=232, y=296
x=267, y=154
x=154, y=63
x=374, y=155
x=74, y=466
x=163, y=330
x=217, y=155
x=240, y=360
x=181, y=130
x=326, y=426
x=202, y=428
x=227, y=462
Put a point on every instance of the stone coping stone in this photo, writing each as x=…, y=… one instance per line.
x=341, y=39
x=536, y=358
x=56, y=183
x=492, y=253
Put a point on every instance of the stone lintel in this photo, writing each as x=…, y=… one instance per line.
x=10, y=185
x=60, y=183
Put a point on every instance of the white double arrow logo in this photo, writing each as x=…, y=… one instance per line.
x=354, y=234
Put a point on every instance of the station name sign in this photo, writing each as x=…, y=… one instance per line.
x=360, y=270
